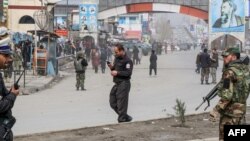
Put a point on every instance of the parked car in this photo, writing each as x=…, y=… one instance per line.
x=183, y=46
x=146, y=48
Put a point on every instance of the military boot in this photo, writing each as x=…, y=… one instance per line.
x=207, y=82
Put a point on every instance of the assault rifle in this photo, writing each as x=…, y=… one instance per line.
x=209, y=97
x=214, y=91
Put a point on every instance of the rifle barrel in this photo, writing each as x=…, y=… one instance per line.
x=200, y=105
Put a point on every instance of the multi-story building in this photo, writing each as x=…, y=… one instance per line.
x=130, y=26
x=20, y=14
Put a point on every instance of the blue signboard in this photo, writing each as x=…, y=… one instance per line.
x=88, y=17
x=248, y=8
x=227, y=15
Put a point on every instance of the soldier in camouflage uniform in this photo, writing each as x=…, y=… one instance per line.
x=80, y=66
x=233, y=91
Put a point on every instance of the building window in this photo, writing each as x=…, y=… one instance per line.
x=122, y=20
x=133, y=20
x=26, y=20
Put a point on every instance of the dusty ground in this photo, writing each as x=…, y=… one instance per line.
x=154, y=130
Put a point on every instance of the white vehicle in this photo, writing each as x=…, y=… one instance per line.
x=177, y=48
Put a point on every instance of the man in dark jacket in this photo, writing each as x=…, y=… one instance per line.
x=7, y=98
x=103, y=59
x=153, y=63
x=198, y=64
x=205, y=64
x=135, y=55
x=121, y=71
x=214, y=65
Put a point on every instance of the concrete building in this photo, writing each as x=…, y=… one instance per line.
x=130, y=26
x=20, y=14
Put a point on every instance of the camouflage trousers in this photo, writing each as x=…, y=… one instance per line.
x=204, y=73
x=213, y=74
x=226, y=120
x=80, y=77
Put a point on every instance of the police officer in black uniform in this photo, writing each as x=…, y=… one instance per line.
x=7, y=98
x=121, y=71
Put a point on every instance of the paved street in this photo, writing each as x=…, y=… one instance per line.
x=62, y=107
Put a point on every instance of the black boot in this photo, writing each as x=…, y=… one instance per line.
x=127, y=118
x=207, y=82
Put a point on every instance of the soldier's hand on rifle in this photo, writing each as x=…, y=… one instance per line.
x=14, y=91
x=213, y=115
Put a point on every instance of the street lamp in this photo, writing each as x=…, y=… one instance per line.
x=67, y=17
x=42, y=18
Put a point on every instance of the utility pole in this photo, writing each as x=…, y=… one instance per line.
x=67, y=17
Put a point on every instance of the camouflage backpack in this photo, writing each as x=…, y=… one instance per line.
x=243, y=83
x=78, y=65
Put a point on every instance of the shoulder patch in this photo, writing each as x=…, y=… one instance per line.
x=128, y=66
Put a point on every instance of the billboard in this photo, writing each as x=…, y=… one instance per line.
x=60, y=23
x=3, y=12
x=227, y=15
x=247, y=11
x=88, y=17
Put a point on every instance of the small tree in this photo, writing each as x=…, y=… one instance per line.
x=180, y=110
x=163, y=29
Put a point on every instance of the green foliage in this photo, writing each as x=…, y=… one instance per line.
x=180, y=110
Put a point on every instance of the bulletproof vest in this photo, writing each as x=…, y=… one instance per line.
x=241, y=86
x=78, y=65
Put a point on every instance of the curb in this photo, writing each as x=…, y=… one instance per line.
x=28, y=91
x=207, y=139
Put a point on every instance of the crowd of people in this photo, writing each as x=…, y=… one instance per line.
x=233, y=88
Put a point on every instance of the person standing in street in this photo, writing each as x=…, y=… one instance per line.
x=80, y=65
x=135, y=55
x=205, y=64
x=153, y=63
x=103, y=58
x=7, y=97
x=121, y=71
x=95, y=59
x=198, y=63
x=214, y=63
x=17, y=60
x=233, y=91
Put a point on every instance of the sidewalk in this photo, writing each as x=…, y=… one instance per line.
x=208, y=139
x=33, y=83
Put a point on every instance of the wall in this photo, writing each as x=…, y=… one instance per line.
x=19, y=8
